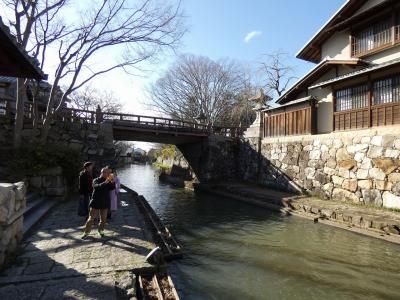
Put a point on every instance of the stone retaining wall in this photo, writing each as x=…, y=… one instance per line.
x=50, y=183
x=12, y=207
x=357, y=166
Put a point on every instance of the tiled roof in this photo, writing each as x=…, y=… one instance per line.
x=357, y=73
x=4, y=30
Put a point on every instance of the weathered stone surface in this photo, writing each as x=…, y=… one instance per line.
x=396, y=144
x=344, y=173
x=377, y=174
x=376, y=141
x=329, y=171
x=390, y=200
x=392, y=153
x=338, y=181
x=344, y=195
x=358, y=157
x=362, y=174
x=366, y=164
x=315, y=154
x=342, y=154
x=350, y=184
x=372, y=197
x=386, y=165
x=347, y=164
x=383, y=185
x=375, y=152
x=365, y=184
x=394, y=177
x=331, y=163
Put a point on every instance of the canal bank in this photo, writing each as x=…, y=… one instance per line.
x=234, y=250
x=367, y=220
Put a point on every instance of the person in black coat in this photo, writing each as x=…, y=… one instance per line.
x=85, y=188
x=100, y=202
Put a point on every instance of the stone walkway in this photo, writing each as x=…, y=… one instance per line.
x=55, y=263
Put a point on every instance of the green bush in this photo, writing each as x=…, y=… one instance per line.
x=37, y=157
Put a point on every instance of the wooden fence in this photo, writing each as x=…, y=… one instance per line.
x=295, y=122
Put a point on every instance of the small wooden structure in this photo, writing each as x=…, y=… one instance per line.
x=295, y=118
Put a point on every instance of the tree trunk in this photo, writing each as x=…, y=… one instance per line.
x=19, y=115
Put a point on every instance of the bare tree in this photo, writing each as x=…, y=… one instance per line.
x=276, y=74
x=89, y=98
x=31, y=25
x=132, y=32
x=197, y=85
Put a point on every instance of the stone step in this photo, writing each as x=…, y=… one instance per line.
x=31, y=197
x=33, y=203
x=41, y=207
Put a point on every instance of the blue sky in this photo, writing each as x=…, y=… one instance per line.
x=218, y=27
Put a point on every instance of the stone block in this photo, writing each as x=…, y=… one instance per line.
x=344, y=195
x=366, y=164
x=362, y=174
x=309, y=173
x=342, y=172
x=386, y=165
x=329, y=171
x=365, y=184
x=75, y=146
x=342, y=154
x=392, y=153
x=315, y=154
x=331, y=163
x=396, y=144
x=376, y=140
x=350, y=184
x=36, y=182
x=394, y=177
x=372, y=197
x=92, y=152
x=375, y=152
x=337, y=143
x=377, y=174
x=3, y=215
x=383, y=185
x=338, y=181
x=92, y=136
x=365, y=139
x=388, y=141
x=358, y=157
x=390, y=200
x=347, y=164
x=396, y=189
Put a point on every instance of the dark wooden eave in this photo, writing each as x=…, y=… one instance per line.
x=312, y=50
x=319, y=70
x=14, y=61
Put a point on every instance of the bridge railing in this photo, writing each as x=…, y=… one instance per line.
x=138, y=121
x=154, y=122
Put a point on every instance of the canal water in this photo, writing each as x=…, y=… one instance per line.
x=238, y=251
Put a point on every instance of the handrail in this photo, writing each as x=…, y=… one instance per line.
x=159, y=123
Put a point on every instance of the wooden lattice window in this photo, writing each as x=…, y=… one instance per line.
x=352, y=98
x=386, y=90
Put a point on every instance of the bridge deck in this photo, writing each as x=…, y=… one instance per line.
x=55, y=263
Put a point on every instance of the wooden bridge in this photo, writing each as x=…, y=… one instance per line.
x=131, y=127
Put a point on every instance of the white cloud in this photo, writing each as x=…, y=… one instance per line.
x=251, y=35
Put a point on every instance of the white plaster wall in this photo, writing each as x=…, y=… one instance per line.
x=337, y=46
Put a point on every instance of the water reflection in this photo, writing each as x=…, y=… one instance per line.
x=238, y=251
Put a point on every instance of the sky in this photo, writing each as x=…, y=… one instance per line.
x=240, y=30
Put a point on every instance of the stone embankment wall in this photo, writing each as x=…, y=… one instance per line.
x=359, y=166
x=12, y=207
x=50, y=183
x=93, y=141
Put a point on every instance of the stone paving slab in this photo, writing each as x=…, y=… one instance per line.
x=56, y=263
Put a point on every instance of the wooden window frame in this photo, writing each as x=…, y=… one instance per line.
x=373, y=115
x=394, y=32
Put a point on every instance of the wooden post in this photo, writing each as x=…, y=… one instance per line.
x=99, y=115
x=369, y=101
